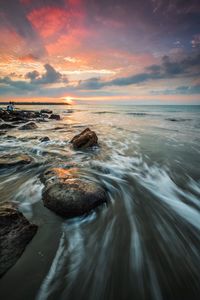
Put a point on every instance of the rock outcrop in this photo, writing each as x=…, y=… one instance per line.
x=14, y=159
x=44, y=139
x=15, y=233
x=28, y=126
x=6, y=126
x=46, y=111
x=85, y=139
x=69, y=195
x=55, y=117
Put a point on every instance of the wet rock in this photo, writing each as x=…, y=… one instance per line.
x=85, y=139
x=14, y=159
x=3, y=132
x=44, y=139
x=55, y=117
x=45, y=116
x=15, y=233
x=41, y=120
x=46, y=111
x=28, y=126
x=68, y=195
x=6, y=126
x=172, y=120
x=4, y=115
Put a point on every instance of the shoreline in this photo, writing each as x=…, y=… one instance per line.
x=34, y=103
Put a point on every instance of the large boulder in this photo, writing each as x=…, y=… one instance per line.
x=15, y=233
x=14, y=159
x=85, y=139
x=69, y=195
x=28, y=126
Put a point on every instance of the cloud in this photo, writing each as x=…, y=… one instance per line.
x=181, y=90
x=14, y=18
x=50, y=76
x=196, y=41
x=176, y=6
x=49, y=21
x=7, y=82
x=37, y=83
x=28, y=58
x=169, y=68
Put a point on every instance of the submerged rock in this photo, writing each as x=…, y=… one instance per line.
x=85, y=139
x=68, y=195
x=15, y=233
x=44, y=139
x=4, y=115
x=6, y=126
x=14, y=159
x=55, y=117
x=172, y=120
x=41, y=120
x=46, y=111
x=28, y=126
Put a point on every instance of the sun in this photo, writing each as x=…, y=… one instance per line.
x=68, y=100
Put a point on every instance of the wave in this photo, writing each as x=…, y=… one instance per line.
x=105, y=112
x=177, y=120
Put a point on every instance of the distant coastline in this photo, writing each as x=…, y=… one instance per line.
x=34, y=103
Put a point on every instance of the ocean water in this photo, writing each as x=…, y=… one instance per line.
x=145, y=244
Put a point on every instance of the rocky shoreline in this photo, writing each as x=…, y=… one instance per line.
x=65, y=192
x=15, y=234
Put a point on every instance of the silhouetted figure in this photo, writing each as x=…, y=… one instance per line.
x=10, y=107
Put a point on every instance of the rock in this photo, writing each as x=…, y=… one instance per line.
x=172, y=119
x=45, y=116
x=44, y=139
x=3, y=132
x=28, y=126
x=85, y=139
x=68, y=195
x=46, y=111
x=54, y=117
x=15, y=233
x=14, y=159
x=41, y=120
x=6, y=126
x=4, y=115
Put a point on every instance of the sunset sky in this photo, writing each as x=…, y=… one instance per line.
x=145, y=51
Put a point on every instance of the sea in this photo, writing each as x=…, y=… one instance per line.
x=144, y=244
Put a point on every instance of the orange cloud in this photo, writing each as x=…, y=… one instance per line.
x=11, y=42
x=28, y=58
x=69, y=43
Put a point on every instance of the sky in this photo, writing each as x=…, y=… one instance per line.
x=144, y=52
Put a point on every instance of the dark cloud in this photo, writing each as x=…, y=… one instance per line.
x=50, y=76
x=17, y=84
x=36, y=84
x=189, y=66
x=32, y=75
x=14, y=16
x=181, y=90
x=148, y=24
x=176, y=6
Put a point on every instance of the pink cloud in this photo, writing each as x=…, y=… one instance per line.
x=28, y=58
x=49, y=20
x=26, y=2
